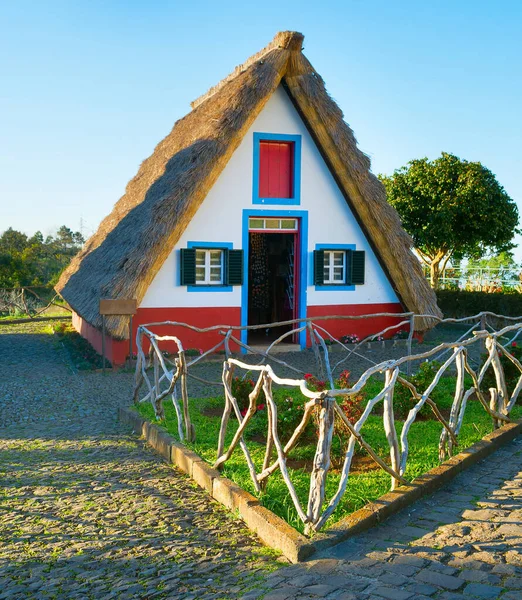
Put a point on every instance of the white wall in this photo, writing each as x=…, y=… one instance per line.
x=219, y=219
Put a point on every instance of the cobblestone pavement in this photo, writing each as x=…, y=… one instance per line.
x=86, y=510
x=462, y=542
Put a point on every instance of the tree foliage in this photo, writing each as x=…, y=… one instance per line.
x=452, y=207
x=26, y=261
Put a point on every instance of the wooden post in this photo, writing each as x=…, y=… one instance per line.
x=410, y=338
x=315, y=348
x=130, y=341
x=321, y=460
x=482, y=328
x=389, y=427
x=103, y=344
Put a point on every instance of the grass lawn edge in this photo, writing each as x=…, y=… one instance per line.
x=277, y=533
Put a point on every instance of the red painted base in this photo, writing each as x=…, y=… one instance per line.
x=360, y=327
x=117, y=351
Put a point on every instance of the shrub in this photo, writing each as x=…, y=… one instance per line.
x=403, y=401
x=82, y=354
x=511, y=372
x=290, y=412
x=349, y=338
x=193, y=352
x=241, y=389
x=402, y=334
x=314, y=384
x=462, y=303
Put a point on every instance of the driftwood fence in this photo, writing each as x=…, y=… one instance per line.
x=164, y=378
x=30, y=301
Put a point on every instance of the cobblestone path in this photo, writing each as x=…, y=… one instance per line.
x=86, y=510
x=463, y=542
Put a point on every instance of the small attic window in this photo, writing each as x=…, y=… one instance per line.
x=276, y=169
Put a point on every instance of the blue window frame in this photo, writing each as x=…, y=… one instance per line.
x=330, y=287
x=296, y=188
x=210, y=288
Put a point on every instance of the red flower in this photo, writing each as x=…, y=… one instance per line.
x=260, y=406
x=308, y=376
x=244, y=412
x=514, y=345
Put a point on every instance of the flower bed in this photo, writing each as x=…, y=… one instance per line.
x=367, y=481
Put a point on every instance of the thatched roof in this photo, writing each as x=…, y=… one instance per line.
x=121, y=259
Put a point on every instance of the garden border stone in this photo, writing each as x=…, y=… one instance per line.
x=273, y=530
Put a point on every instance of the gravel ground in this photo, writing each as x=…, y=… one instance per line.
x=86, y=510
x=358, y=362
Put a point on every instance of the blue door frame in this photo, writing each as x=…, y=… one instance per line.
x=302, y=215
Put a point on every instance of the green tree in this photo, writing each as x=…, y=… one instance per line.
x=12, y=241
x=34, y=260
x=452, y=207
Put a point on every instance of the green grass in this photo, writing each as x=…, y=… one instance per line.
x=363, y=487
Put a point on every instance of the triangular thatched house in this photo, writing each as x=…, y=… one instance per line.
x=257, y=207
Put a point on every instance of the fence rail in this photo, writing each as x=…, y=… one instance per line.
x=164, y=378
x=30, y=301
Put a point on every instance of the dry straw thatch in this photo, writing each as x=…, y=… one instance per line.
x=122, y=257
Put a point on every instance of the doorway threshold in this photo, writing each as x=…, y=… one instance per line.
x=277, y=349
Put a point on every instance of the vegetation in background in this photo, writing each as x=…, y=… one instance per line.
x=462, y=303
x=452, y=208
x=36, y=261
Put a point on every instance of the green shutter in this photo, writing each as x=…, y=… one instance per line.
x=357, y=267
x=348, y=271
x=188, y=266
x=234, y=267
x=319, y=267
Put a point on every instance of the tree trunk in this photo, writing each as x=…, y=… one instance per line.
x=435, y=273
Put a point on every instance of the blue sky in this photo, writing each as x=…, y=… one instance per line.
x=88, y=88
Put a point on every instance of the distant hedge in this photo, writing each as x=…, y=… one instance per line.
x=461, y=303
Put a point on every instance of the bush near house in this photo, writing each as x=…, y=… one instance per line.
x=461, y=303
x=82, y=354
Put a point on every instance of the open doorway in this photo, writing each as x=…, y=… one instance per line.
x=272, y=281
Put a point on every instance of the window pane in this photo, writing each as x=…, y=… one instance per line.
x=338, y=258
x=338, y=274
x=326, y=260
x=215, y=257
x=272, y=224
x=200, y=274
x=215, y=275
x=200, y=257
x=288, y=224
x=257, y=224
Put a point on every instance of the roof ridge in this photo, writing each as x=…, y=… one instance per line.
x=283, y=40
